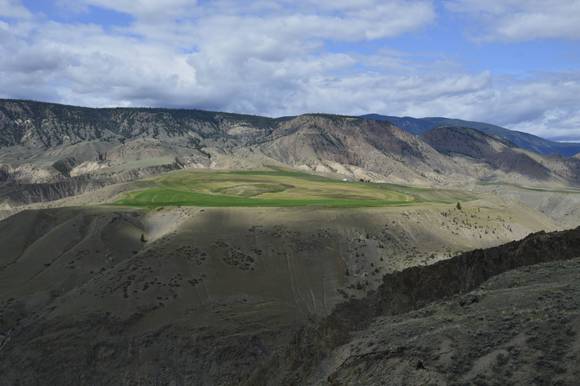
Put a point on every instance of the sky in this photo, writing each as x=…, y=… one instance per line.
x=514, y=63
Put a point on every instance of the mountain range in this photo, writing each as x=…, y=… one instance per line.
x=50, y=151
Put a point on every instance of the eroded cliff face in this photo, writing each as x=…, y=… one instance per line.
x=18, y=194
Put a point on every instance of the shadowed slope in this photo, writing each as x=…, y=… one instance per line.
x=498, y=154
x=401, y=292
x=110, y=295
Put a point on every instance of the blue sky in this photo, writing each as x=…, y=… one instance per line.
x=515, y=63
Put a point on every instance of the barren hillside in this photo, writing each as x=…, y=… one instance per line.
x=50, y=151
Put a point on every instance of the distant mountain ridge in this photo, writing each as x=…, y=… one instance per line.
x=500, y=154
x=419, y=126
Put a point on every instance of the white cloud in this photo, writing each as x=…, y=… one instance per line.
x=270, y=57
x=557, y=123
x=13, y=9
x=147, y=9
x=522, y=20
x=220, y=56
x=545, y=105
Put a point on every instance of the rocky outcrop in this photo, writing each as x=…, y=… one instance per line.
x=411, y=289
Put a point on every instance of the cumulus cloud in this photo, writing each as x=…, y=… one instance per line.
x=271, y=58
x=220, y=56
x=521, y=20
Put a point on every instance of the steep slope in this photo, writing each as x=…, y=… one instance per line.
x=522, y=327
x=419, y=126
x=498, y=154
x=419, y=327
x=206, y=294
x=362, y=149
x=502, y=156
x=69, y=138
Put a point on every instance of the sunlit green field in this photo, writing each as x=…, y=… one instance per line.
x=275, y=188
